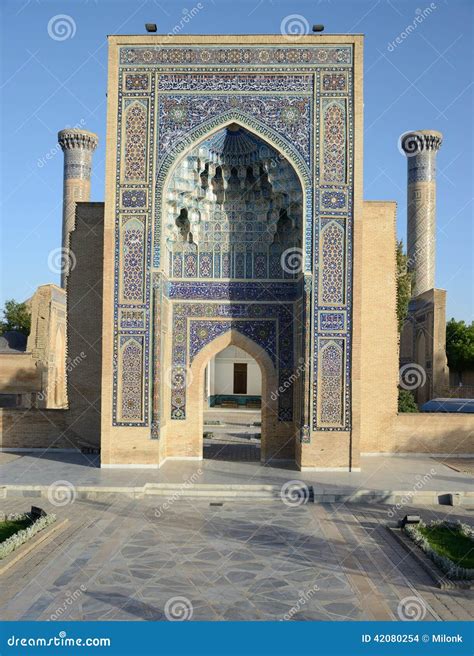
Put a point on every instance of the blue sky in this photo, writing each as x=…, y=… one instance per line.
x=424, y=81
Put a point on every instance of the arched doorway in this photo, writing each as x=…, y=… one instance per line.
x=269, y=407
x=232, y=406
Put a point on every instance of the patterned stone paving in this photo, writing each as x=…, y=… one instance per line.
x=125, y=560
x=232, y=452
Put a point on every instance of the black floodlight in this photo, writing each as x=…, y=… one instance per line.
x=410, y=519
x=318, y=28
x=150, y=27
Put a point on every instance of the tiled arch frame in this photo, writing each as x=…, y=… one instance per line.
x=167, y=165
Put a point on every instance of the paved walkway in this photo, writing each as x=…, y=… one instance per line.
x=381, y=473
x=135, y=560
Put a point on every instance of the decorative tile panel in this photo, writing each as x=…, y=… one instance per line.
x=332, y=258
x=137, y=82
x=232, y=57
x=132, y=320
x=239, y=83
x=134, y=198
x=330, y=381
x=334, y=199
x=133, y=254
x=135, y=139
x=334, y=82
x=332, y=321
x=333, y=164
x=298, y=100
x=290, y=116
x=131, y=366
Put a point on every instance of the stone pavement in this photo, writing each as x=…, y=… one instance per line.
x=123, y=559
x=381, y=473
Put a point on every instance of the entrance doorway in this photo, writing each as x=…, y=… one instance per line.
x=232, y=413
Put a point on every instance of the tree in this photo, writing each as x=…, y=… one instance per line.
x=406, y=401
x=16, y=316
x=460, y=345
x=403, y=286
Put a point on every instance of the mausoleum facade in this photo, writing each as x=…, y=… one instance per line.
x=232, y=201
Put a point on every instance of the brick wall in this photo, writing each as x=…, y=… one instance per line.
x=34, y=428
x=379, y=336
x=84, y=328
x=427, y=432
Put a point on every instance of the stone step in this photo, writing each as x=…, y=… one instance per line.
x=399, y=499
x=211, y=490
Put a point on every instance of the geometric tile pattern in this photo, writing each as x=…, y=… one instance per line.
x=298, y=101
x=135, y=140
x=331, y=356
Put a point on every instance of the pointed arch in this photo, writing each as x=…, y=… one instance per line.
x=197, y=135
x=234, y=337
x=203, y=131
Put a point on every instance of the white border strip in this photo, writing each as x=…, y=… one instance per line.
x=417, y=455
x=36, y=449
x=330, y=469
x=129, y=466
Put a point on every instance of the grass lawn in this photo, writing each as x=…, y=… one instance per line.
x=11, y=526
x=451, y=544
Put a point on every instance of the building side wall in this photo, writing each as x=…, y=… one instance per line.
x=423, y=342
x=379, y=334
x=34, y=429
x=19, y=374
x=47, y=344
x=430, y=432
x=84, y=302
